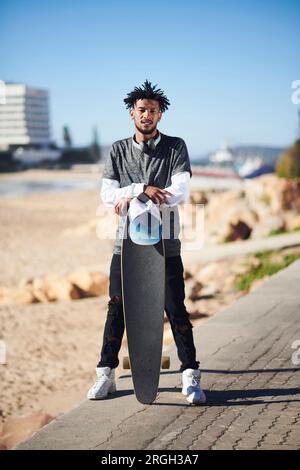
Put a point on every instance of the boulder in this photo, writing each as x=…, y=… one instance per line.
x=90, y=284
x=198, y=197
x=208, y=273
x=38, y=289
x=292, y=220
x=238, y=231
x=290, y=197
x=20, y=295
x=210, y=290
x=16, y=430
x=192, y=289
x=268, y=224
x=60, y=288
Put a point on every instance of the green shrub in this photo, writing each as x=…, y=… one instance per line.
x=266, y=268
x=288, y=165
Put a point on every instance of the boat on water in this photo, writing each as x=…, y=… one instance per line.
x=225, y=163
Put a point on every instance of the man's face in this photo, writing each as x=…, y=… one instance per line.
x=146, y=114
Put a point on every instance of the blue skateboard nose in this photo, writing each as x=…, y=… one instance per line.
x=145, y=230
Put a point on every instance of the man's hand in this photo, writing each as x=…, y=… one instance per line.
x=122, y=206
x=157, y=195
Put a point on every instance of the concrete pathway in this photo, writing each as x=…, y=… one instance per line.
x=252, y=387
x=192, y=253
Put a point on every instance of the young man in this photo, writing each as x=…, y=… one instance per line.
x=156, y=166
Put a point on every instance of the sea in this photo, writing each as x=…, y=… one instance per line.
x=15, y=187
x=23, y=188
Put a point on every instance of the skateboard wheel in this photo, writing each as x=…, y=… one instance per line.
x=165, y=362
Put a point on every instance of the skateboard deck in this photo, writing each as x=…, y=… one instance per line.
x=143, y=293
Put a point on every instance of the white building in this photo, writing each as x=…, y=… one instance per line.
x=24, y=117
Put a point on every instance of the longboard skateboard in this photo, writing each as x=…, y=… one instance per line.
x=143, y=289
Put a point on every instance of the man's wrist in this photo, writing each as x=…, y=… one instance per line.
x=143, y=197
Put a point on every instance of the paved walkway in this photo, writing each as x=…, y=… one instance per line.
x=251, y=384
x=191, y=253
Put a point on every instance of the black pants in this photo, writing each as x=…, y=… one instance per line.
x=174, y=308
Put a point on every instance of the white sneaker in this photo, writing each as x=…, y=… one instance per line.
x=191, y=386
x=105, y=384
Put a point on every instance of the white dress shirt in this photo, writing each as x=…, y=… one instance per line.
x=111, y=193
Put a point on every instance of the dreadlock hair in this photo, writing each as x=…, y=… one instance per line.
x=149, y=92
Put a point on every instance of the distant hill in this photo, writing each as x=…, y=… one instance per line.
x=269, y=154
x=105, y=151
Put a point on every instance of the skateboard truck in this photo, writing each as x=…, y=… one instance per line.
x=164, y=364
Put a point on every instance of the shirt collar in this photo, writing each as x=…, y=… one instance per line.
x=152, y=143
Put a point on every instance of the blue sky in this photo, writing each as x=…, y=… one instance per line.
x=226, y=66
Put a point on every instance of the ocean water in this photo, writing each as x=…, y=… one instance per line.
x=11, y=187
x=23, y=188
x=206, y=183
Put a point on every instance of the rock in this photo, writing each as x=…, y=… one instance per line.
x=16, y=430
x=53, y=287
x=292, y=220
x=192, y=289
x=228, y=282
x=253, y=262
x=91, y=284
x=5, y=295
x=268, y=224
x=196, y=315
x=290, y=197
x=219, y=223
x=210, y=290
x=239, y=269
x=267, y=203
x=198, y=197
x=207, y=273
x=38, y=290
x=59, y=288
x=24, y=296
x=193, y=268
x=19, y=295
x=187, y=275
x=238, y=231
x=26, y=282
x=100, y=284
x=195, y=310
x=275, y=222
x=195, y=290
